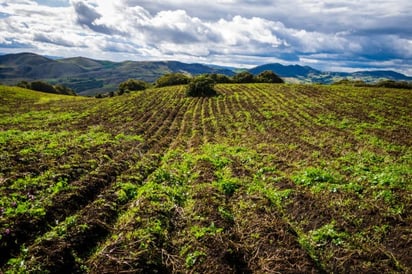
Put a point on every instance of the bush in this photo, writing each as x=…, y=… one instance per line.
x=24, y=84
x=268, y=76
x=244, y=77
x=46, y=87
x=201, y=86
x=132, y=85
x=43, y=87
x=394, y=84
x=64, y=90
x=381, y=83
x=354, y=83
x=220, y=78
x=172, y=79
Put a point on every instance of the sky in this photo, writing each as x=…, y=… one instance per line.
x=327, y=35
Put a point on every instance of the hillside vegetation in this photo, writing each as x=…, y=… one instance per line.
x=90, y=77
x=262, y=178
x=87, y=76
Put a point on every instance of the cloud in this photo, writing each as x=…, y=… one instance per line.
x=324, y=34
x=53, y=39
x=54, y=3
x=173, y=27
x=88, y=16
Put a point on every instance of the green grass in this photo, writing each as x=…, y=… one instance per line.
x=261, y=177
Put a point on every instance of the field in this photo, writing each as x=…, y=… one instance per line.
x=260, y=179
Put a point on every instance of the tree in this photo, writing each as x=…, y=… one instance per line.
x=132, y=85
x=64, y=90
x=220, y=78
x=172, y=79
x=201, y=86
x=268, y=76
x=244, y=77
x=46, y=87
x=24, y=84
x=43, y=87
x=394, y=84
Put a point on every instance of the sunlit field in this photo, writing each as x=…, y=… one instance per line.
x=262, y=178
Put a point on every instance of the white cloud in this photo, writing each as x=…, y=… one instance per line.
x=353, y=32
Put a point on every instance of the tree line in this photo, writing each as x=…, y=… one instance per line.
x=381, y=83
x=46, y=87
x=267, y=76
x=201, y=85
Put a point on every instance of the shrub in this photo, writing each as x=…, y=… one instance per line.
x=24, y=84
x=394, y=84
x=381, y=83
x=43, y=87
x=64, y=90
x=172, y=79
x=132, y=85
x=201, y=86
x=354, y=83
x=268, y=76
x=46, y=87
x=244, y=77
x=220, y=78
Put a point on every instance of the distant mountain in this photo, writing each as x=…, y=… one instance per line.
x=32, y=67
x=89, y=77
x=296, y=73
x=286, y=71
x=388, y=74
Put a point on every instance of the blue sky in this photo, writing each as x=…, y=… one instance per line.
x=327, y=35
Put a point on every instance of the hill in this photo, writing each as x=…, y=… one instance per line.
x=306, y=74
x=294, y=71
x=387, y=74
x=262, y=177
x=31, y=66
x=87, y=76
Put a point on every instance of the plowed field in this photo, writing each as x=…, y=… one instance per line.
x=260, y=179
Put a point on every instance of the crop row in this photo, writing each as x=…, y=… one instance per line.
x=262, y=178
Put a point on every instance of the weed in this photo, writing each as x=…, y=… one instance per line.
x=194, y=257
x=127, y=192
x=327, y=234
x=200, y=232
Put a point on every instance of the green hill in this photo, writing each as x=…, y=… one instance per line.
x=87, y=76
x=90, y=77
x=282, y=178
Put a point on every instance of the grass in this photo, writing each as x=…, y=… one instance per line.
x=259, y=178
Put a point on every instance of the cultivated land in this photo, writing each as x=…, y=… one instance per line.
x=263, y=178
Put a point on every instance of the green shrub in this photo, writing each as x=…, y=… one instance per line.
x=46, y=87
x=268, y=76
x=43, y=87
x=132, y=85
x=64, y=90
x=201, y=86
x=220, y=78
x=172, y=79
x=244, y=77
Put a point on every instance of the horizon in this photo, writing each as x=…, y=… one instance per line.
x=207, y=64
x=339, y=36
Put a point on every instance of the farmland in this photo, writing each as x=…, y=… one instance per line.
x=261, y=179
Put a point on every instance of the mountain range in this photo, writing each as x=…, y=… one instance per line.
x=89, y=77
